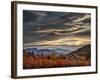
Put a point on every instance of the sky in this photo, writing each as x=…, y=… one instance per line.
x=56, y=28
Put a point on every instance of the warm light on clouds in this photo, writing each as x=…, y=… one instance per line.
x=56, y=28
x=69, y=41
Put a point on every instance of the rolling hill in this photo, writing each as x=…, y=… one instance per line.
x=83, y=51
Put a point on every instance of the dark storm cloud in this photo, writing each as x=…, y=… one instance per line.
x=44, y=25
x=28, y=16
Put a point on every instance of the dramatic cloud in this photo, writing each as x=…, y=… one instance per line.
x=67, y=41
x=56, y=28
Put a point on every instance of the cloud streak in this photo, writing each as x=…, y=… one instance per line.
x=68, y=41
x=56, y=28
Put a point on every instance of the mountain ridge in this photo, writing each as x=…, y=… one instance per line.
x=83, y=51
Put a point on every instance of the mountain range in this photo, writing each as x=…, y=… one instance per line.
x=83, y=51
x=46, y=52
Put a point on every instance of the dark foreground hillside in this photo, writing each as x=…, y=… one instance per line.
x=80, y=57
